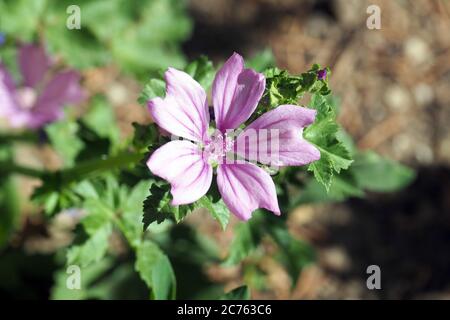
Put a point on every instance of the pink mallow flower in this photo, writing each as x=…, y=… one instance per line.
x=188, y=164
x=39, y=99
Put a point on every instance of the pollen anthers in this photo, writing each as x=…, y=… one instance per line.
x=217, y=147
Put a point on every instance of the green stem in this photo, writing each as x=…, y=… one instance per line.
x=26, y=136
x=80, y=171
x=96, y=166
x=25, y=171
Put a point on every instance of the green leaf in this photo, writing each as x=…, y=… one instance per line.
x=9, y=208
x=54, y=195
x=369, y=172
x=239, y=293
x=136, y=196
x=245, y=241
x=283, y=88
x=156, y=271
x=144, y=136
x=180, y=212
x=109, y=279
x=254, y=276
x=51, y=203
x=323, y=133
x=64, y=139
x=78, y=48
x=98, y=215
x=218, y=210
x=119, y=30
x=124, y=31
x=93, y=250
x=157, y=207
x=132, y=212
x=342, y=187
x=172, y=23
x=95, y=146
x=151, y=43
x=86, y=189
x=20, y=17
x=261, y=60
x=136, y=56
x=294, y=254
x=105, y=19
x=89, y=275
x=323, y=171
x=201, y=70
x=155, y=87
x=101, y=119
x=374, y=173
x=8, y=56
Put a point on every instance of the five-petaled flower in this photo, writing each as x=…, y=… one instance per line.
x=40, y=97
x=188, y=164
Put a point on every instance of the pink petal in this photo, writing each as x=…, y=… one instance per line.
x=8, y=103
x=184, y=110
x=63, y=89
x=33, y=63
x=236, y=92
x=38, y=119
x=276, y=138
x=182, y=165
x=245, y=188
x=285, y=116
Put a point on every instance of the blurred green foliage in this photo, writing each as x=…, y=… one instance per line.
x=139, y=36
x=9, y=199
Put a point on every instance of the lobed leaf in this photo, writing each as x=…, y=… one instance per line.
x=93, y=250
x=217, y=209
x=156, y=271
x=239, y=293
x=323, y=133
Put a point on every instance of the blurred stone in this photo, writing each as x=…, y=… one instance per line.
x=401, y=144
x=378, y=112
x=117, y=94
x=319, y=26
x=417, y=50
x=374, y=40
x=423, y=94
x=397, y=98
x=311, y=281
x=351, y=12
x=302, y=215
x=335, y=258
x=424, y=153
x=444, y=150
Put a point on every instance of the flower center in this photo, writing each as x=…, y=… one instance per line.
x=216, y=149
x=26, y=97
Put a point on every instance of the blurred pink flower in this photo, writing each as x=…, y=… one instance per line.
x=39, y=99
x=188, y=166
